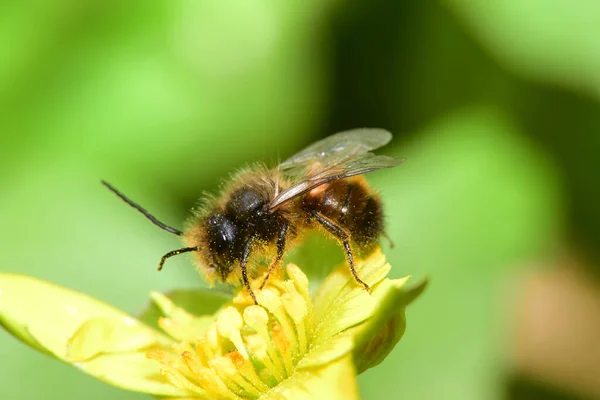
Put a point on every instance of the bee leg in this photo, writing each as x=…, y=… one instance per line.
x=344, y=237
x=280, y=250
x=244, y=261
x=174, y=253
x=348, y=251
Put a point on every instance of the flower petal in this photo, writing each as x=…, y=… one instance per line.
x=178, y=323
x=20, y=331
x=375, y=339
x=80, y=330
x=196, y=302
x=131, y=371
x=327, y=351
x=52, y=314
x=336, y=380
x=341, y=303
x=105, y=335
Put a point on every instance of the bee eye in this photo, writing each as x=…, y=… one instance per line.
x=222, y=232
x=243, y=202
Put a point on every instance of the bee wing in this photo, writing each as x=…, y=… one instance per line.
x=357, y=164
x=336, y=148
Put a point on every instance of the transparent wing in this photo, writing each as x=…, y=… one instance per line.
x=335, y=149
x=353, y=165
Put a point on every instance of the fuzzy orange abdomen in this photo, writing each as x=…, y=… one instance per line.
x=350, y=204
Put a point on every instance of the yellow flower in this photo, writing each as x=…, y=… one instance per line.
x=291, y=346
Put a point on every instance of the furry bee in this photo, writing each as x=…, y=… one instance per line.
x=265, y=212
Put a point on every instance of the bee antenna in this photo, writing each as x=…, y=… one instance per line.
x=142, y=210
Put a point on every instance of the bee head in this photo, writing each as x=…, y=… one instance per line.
x=223, y=236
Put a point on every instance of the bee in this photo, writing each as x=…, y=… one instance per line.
x=265, y=212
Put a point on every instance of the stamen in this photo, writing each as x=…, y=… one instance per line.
x=282, y=343
x=246, y=369
x=300, y=281
x=227, y=370
x=201, y=351
x=207, y=378
x=282, y=333
x=259, y=349
x=257, y=318
x=296, y=308
x=229, y=324
x=178, y=380
x=213, y=345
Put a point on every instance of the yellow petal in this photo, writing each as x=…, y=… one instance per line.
x=180, y=324
x=327, y=351
x=20, y=331
x=106, y=335
x=341, y=303
x=63, y=323
x=372, y=270
x=332, y=381
x=52, y=314
x=131, y=371
x=377, y=337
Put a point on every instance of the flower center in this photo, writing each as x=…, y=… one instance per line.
x=249, y=348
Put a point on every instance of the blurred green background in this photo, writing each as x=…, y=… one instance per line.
x=494, y=103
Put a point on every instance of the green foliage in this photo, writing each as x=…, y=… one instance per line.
x=552, y=41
